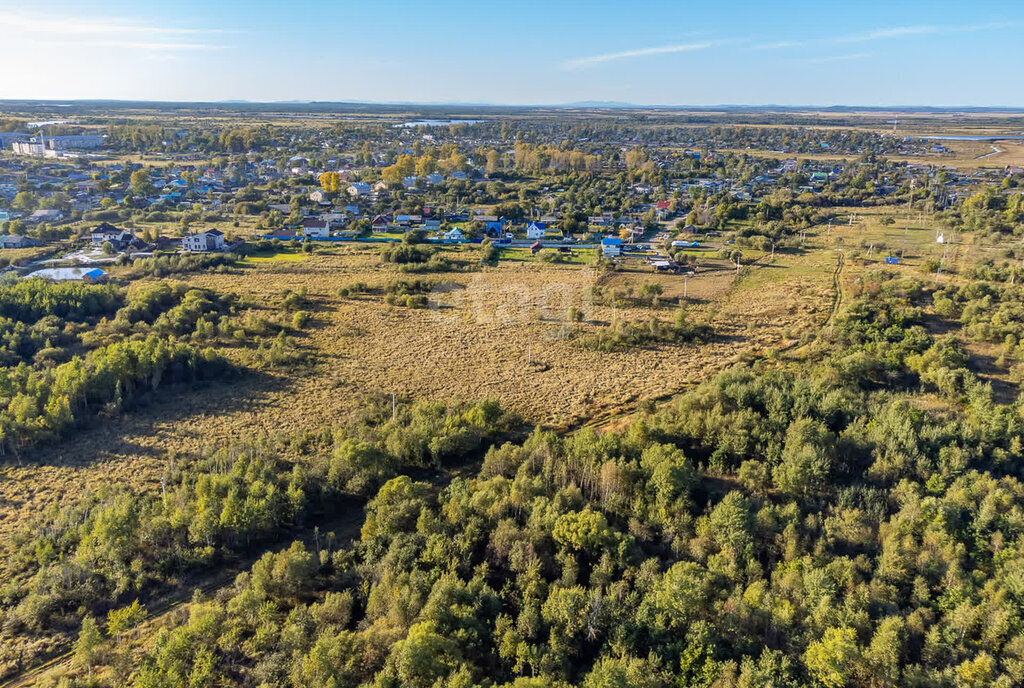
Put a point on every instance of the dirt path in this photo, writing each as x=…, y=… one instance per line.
x=837, y=288
x=345, y=525
x=161, y=603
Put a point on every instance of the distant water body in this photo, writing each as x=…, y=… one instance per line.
x=61, y=274
x=438, y=122
x=972, y=138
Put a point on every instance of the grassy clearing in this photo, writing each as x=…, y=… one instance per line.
x=282, y=255
x=471, y=342
x=578, y=256
x=13, y=254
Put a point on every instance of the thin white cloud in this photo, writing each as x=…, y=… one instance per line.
x=777, y=45
x=885, y=34
x=156, y=46
x=921, y=30
x=582, y=62
x=837, y=58
x=108, y=33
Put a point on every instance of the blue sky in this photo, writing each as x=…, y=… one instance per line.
x=827, y=52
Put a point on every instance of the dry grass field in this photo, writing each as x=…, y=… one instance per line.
x=477, y=339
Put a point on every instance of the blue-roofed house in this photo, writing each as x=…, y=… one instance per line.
x=611, y=246
x=94, y=275
x=494, y=228
x=359, y=189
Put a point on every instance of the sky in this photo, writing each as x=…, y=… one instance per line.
x=518, y=52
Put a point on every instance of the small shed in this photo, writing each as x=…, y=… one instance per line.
x=535, y=247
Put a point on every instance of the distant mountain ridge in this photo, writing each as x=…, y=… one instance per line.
x=423, y=107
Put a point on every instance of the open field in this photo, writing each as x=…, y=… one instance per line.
x=965, y=154
x=474, y=341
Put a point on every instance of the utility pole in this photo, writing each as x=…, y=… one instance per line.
x=941, y=261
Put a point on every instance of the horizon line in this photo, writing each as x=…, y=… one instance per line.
x=591, y=104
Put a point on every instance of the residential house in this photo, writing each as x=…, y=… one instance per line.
x=16, y=241
x=379, y=223
x=432, y=225
x=454, y=234
x=210, y=240
x=319, y=196
x=536, y=230
x=106, y=232
x=359, y=189
x=611, y=247
x=316, y=228
x=408, y=220
x=494, y=228
x=45, y=215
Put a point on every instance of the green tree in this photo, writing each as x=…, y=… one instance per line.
x=141, y=184
x=807, y=458
x=88, y=645
x=831, y=660
x=120, y=620
x=582, y=530
x=25, y=200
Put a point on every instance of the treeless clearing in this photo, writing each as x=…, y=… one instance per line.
x=965, y=154
x=475, y=340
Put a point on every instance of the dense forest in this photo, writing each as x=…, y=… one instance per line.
x=71, y=351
